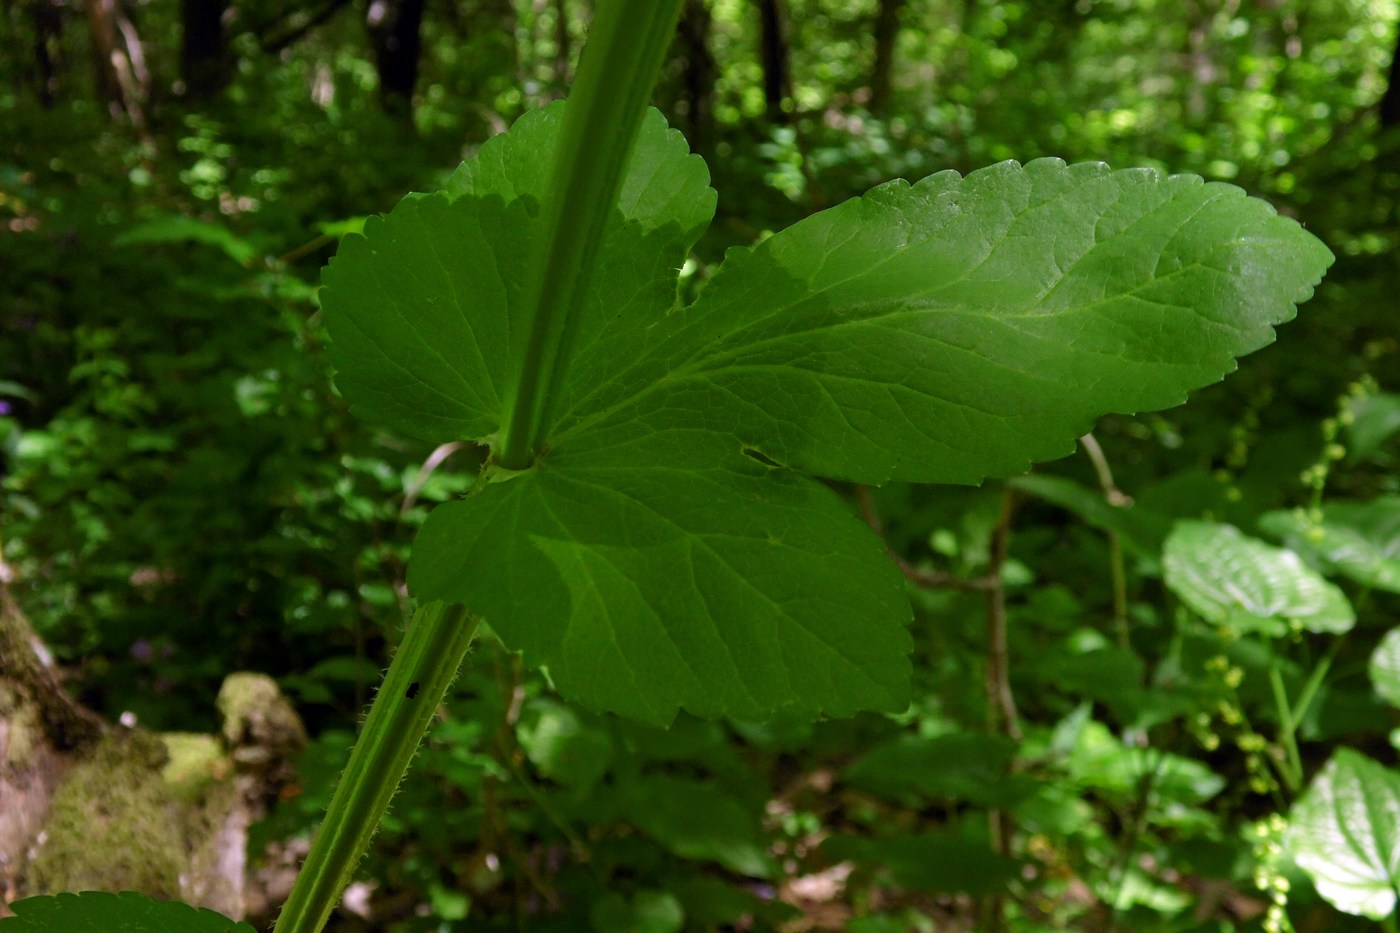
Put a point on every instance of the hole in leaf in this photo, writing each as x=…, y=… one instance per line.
x=761, y=457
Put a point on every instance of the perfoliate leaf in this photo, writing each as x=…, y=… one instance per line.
x=691, y=577
x=1385, y=667
x=1345, y=833
x=96, y=912
x=1231, y=579
x=665, y=550
x=1360, y=540
x=962, y=327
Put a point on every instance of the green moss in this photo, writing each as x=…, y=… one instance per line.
x=256, y=713
x=25, y=733
x=197, y=765
x=113, y=825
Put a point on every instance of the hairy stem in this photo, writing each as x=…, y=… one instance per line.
x=423, y=668
x=626, y=44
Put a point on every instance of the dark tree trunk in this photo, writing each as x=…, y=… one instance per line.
x=122, y=80
x=395, y=38
x=773, y=52
x=47, y=19
x=1390, y=103
x=886, y=31
x=204, y=63
x=697, y=73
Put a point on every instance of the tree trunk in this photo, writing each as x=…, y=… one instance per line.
x=395, y=38
x=47, y=19
x=122, y=79
x=204, y=64
x=886, y=31
x=1390, y=103
x=697, y=73
x=773, y=52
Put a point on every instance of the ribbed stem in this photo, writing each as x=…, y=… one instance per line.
x=626, y=45
x=422, y=670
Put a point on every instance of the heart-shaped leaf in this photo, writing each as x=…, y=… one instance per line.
x=665, y=551
x=1385, y=667
x=1345, y=833
x=1231, y=579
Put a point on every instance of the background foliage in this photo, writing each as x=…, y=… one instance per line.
x=184, y=494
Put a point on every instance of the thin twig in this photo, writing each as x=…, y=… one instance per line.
x=1116, y=498
x=919, y=576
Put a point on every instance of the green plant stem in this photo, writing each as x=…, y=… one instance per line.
x=1290, y=715
x=626, y=45
x=1293, y=774
x=422, y=670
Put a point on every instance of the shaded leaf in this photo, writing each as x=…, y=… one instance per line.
x=963, y=327
x=932, y=862
x=645, y=912
x=1360, y=540
x=1374, y=420
x=698, y=820
x=1141, y=530
x=96, y=912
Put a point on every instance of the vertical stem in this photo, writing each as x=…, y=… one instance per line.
x=423, y=668
x=1000, y=700
x=1114, y=497
x=1293, y=774
x=626, y=45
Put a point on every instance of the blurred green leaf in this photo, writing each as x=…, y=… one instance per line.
x=1234, y=580
x=1360, y=540
x=1345, y=834
x=1385, y=667
x=645, y=912
x=930, y=863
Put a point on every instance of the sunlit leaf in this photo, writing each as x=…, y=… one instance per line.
x=1385, y=667
x=1345, y=833
x=1231, y=579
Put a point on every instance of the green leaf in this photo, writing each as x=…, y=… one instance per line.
x=966, y=766
x=931, y=862
x=423, y=308
x=177, y=228
x=646, y=912
x=658, y=555
x=698, y=820
x=1142, y=530
x=1345, y=833
x=95, y=912
x=1360, y=540
x=563, y=745
x=962, y=327
x=1385, y=667
x=671, y=572
x=1234, y=580
x=1374, y=420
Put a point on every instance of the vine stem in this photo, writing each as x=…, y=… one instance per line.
x=423, y=669
x=626, y=45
